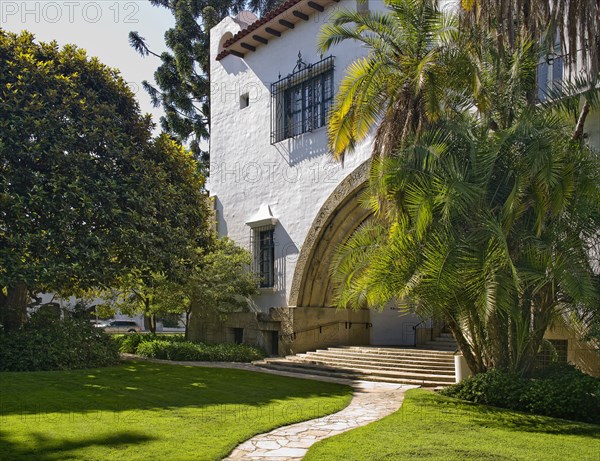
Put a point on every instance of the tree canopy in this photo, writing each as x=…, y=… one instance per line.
x=486, y=212
x=182, y=81
x=86, y=193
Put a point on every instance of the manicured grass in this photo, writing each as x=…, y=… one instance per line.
x=433, y=427
x=145, y=411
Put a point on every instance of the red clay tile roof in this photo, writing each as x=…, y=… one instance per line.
x=266, y=18
x=256, y=24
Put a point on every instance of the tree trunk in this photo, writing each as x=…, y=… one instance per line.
x=541, y=316
x=497, y=328
x=14, y=312
x=149, y=318
x=188, y=312
x=2, y=304
x=153, y=323
x=465, y=348
x=578, y=134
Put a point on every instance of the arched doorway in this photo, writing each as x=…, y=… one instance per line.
x=337, y=219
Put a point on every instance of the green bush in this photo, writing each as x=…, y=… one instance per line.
x=188, y=351
x=129, y=343
x=558, y=390
x=49, y=343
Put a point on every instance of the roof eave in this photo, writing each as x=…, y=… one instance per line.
x=272, y=25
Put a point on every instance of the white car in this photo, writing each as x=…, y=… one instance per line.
x=120, y=326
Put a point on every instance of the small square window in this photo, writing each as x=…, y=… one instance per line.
x=244, y=100
x=362, y=6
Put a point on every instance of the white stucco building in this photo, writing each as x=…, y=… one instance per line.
x=276, y=189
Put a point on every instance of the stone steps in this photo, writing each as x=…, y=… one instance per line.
x=444, y=342
x=400, y=351
x=445, y=371
x=404, y=358
x=423, y=367
x=383, y=361
x=352, y=375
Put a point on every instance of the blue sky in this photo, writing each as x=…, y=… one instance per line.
x=101, y=27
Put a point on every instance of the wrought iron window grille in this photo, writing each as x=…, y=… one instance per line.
x=263, y=249
x=300, y=102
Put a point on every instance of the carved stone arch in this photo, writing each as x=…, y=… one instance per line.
x=338, y=218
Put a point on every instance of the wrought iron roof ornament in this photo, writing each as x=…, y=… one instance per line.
x=300, y=64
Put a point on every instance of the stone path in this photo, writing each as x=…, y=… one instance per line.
x=371, y=401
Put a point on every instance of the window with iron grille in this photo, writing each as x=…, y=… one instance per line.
x=264, y=255
x=302, y=100
x=550, y=72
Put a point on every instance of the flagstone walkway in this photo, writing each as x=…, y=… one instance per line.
x=371, y=401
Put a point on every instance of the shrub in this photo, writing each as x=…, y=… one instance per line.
x=49, y=343
x=559, y=391
x=188, y=351
x=562, y=390
x=129, y=343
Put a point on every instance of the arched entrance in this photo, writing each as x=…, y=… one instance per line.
x=337, y=219
x=311, y=288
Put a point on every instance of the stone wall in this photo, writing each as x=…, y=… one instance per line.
x=580, y=353
x=297, y=329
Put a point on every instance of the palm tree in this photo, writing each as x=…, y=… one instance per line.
x=575, y=22
x=490, y=211
x=400, y=83
x=492, y=233
x=564, y=29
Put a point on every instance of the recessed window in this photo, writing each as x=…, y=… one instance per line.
x=301, y=101
x=263, y=248
x=266, y=258
x=238, y=335
x=244, y=100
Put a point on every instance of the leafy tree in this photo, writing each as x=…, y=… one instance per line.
x=183, y=87
x=575, y=22
x=217, y=283
x=221, y=284
x=152, y=295
x=490, y=208
x=86, y=194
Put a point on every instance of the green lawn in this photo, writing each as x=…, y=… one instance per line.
x=145, y=411
x=433, y=427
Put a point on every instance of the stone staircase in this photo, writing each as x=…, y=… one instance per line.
x=429, y=366
x=444, y=342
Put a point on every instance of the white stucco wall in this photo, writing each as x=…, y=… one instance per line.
x=294, y=177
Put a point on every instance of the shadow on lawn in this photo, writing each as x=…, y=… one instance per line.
x=500, y=418
x=142, y=386
x=42, y=448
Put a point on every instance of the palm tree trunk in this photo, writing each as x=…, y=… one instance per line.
x=581, y=121
x=540, y=320
x=474, y=363
x=498, y=333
